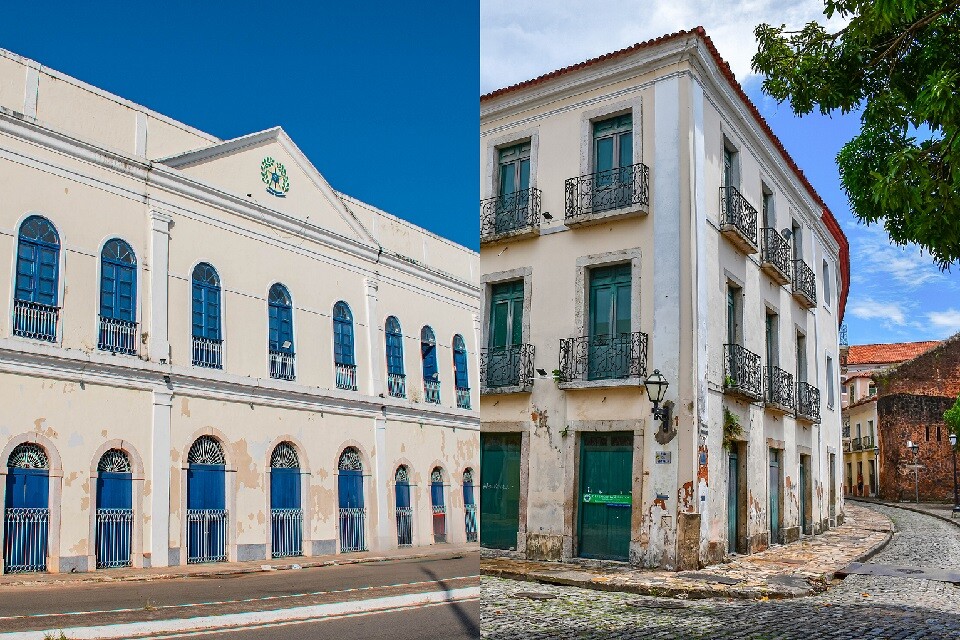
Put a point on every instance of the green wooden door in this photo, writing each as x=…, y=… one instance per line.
x=804, y=478
x=505, y=335
x=609, y=350
x=733, y=503
x=774, y=494
x=606, y=489
x=499, y=490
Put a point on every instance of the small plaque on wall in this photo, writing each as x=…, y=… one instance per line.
x=664, y=457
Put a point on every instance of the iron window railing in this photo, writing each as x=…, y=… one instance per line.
x=207, y=353
x=866, y=442
x=431, y=391
x=604, y=357
x=463, y=397
x=286, y=532
x=739, y=213
x=397, y=385
x=607, y=190
x=117, y=336
x=779, y=388
x=775, y=250
x=510, y=212
x=510, y=366
x=856, y=444
x=470, y=522
x=804, y=281
x=742, y=372
x=25, y=540
x=206, y=535
x=439, y=523
x=346, y=376
x=114, y=537
x=282, y=365
x=405, y=526
x=808, y=405
x=35, y=320
x=353, y=529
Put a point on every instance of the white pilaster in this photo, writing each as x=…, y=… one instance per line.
x=31, y=92
x=385, y=519
x=159, y=345
x=377, y=347
x=159, y=474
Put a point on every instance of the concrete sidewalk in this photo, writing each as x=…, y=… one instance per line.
x=784, y=571
x=220, y=569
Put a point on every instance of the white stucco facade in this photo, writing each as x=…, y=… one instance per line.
x=98, y=167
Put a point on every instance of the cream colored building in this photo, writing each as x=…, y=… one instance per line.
x=188, y=309
x=637, y=214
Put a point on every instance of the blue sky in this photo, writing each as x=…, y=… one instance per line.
x=897, y=294
x=381, y=96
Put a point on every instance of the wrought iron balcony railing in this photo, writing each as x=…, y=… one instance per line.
x=775, y=255
x=604, y=357
x=510, y=366
x=739, y=217
x=431, y=392
x=856, y=444
x=281, y=365
x=779, y=389
x=866, y=442
x=35, y=320
x=607, y=190
x=117, y=336
x=463, y=397
x=517, y=211
x=804, y=284
x=397, y=385
x=846, y=447
x=207, y=353
x=742, y=372
x=808, y=405
x=346, y=376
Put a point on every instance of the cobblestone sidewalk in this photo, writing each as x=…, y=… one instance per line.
x=782, y=571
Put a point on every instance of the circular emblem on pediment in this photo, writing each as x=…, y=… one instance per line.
x=274, y=175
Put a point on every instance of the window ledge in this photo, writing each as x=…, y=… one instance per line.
x=497, y=391
x=601, y=384
x=610, y=215
x=516, y=234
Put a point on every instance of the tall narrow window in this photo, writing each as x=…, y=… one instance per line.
x=609, y=339
x=513, y=188
x=797, y=237
x=769, y=216
x=431, y=373
x=396, y=380
x=827, y=290
x=733, y=314
x=37, y=287
x=801, y=357
x=281, y=347
x=118, y=298
x=460, y=375
x=207, y=340
x=773, y=355
x=343, y=349
x=830, y=382
x=613, y=162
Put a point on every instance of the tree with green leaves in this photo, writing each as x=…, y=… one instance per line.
x=952, y=417
x=897, y=62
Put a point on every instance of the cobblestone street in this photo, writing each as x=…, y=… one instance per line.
x=858, y=607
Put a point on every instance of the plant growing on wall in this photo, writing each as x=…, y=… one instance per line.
x=952, y=417
x=732, y=429
x=558, y=376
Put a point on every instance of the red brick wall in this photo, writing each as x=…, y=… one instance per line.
x=935, y=373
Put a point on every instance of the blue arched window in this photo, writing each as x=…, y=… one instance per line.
x=118, y=298
x=37, y=286
x=431, y=373
x=396, y=380
x=460, y=376
x=343, y=334
x=281, y=319
x=207, y=347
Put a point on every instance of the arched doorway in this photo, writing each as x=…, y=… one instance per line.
x=404, y=508
x=26, y=510
x=114, y=510
x=353, y=515
x=439, y=507
x=206, y=495
x=469, y=506
x=286, y=506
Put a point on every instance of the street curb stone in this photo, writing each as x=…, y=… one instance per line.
x=897, y=505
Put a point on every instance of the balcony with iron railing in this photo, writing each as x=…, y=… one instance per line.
x=512, y=215
x=738, y=219
x=866, y=443
x=282, y=365
x=207, y=353
x=804, y=284
x=431, y=391
x=856, y=444
x=506, y=369
x=742, y=373
x=117, y=336
x=34, y=320
x=847, y=447
x=613, y=193
x=603, y=360
x=779, y=390
x=775, y=255
x=397, y=385
x=808, y=405
x=463, y=397
x=346, y=375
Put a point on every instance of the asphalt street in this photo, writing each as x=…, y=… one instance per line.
x=62, y=606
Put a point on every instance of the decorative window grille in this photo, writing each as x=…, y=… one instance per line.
x=114, y=461
x=284, y=457
x=350, y=460
x=206, y=450
x=436, y=476
x=402, y=474
x=468, y=476
x=28, y=456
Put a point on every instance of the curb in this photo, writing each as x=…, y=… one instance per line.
x=265, y=568
x=896, y=505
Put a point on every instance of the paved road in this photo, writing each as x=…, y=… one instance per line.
x=862, y=607
x=59, y=606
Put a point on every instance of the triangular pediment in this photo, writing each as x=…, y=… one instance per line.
x=269, y=169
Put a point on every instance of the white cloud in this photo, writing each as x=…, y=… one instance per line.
x=522, y=39
x=946, y=322
x=889, y=313
x=880, y=261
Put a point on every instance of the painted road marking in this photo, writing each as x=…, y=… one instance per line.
x=251, y=618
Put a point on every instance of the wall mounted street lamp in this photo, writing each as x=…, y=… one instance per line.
x=656, y=386
x=915, y=448
x=956, y=499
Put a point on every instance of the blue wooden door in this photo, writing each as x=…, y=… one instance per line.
x=25, y=520
x=206, y=497
x=351, y=489
x=403, y=495
x=284, y=488
x=439, y=512
x=404, y=515
x=114, y=518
